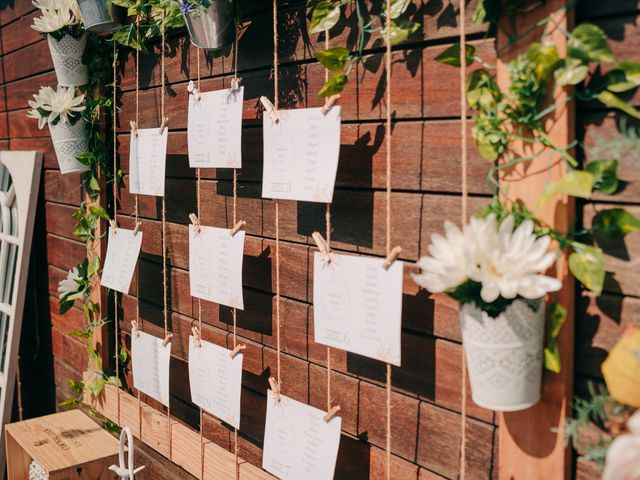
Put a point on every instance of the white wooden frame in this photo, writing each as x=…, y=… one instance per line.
x=19, y=185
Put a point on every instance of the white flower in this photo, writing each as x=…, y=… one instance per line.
x=623, y=455
x=62, y=103
x=56, y=15
x=508, y=263
x=69, y=284
x=446, y=268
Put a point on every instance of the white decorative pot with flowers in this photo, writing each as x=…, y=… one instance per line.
x=60, y=23
x=61, y=110
x=495, y=270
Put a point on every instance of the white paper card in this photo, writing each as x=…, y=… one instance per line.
x=215, y=129
x=215, y=380
x=123, y=249
x=298, y=443
x=357, y=305
x=150, y=364
x=147, y=161
x=301, y=154
x=215, y=265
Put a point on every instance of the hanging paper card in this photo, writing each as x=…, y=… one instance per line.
x=301, y=154
x=215, y=129
x=147, y=161
x=123, y=250
x=215, y=265
x=215, y=380
x=150, y=364
x=357, y=305
x=298, y=443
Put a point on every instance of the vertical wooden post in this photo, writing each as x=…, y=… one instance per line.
x=531, y=442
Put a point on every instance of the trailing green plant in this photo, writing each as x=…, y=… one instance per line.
x=372, y=20
x=152, y=15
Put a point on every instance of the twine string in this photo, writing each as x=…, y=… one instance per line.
x=137, y=213
x=388, y=220
x=465, y=193
x=116, y=338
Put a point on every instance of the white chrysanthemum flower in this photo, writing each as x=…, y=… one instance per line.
x=69, y=284
x=61, y=103
x=623, y=455
x=508, y=263
x=56, y=15
x=446, y=268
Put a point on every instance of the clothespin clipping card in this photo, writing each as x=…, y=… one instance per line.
x=275, y=388
x=235, y=84
x=329, y=103
x=134, y=127
x=236, y=350
x=167, y=339
x=270, y=109
x=391, y=257
x=136, y=229
x=197, y=338
x=193, y=90
x=113, y=225
x=322, y=246
x=134, y=328
x=236, y=228
x=163, y=125
x=331, y=413
x=195, y=221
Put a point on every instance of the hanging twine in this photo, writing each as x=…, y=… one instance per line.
x=465, y=193
x=276, y=102
x=388, y=219
x=115, y=219
x=19, y=389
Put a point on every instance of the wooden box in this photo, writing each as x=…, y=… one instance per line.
x=68, y=445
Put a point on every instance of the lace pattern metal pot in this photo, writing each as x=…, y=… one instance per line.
x=66, y=54
x=100, y=16
x=504, y=354
x=69, y=141
x=212, y=28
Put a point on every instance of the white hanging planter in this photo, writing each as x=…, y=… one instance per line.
x=67, y=60
x=213, y=28
x=100, y=16
x=504, y=354
x=70, y=141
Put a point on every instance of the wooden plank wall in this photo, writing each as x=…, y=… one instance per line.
x=599, y=322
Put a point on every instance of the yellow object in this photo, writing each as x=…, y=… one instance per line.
x=621, y=369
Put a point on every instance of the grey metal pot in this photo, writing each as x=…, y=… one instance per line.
x=100, y=16
x=213, y=28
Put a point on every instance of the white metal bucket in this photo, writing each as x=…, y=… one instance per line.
x=67, y=60
x=70, y=141
x=213, y=28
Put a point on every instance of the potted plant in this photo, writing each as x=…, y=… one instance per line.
x=62, y=109
x=61, y=24
x=494, y=269
x=211, y=23
x=100, y=16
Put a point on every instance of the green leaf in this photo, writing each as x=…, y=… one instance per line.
x=587, y=265
x=624, y=76
x=576, y=183
x=114, y=381
x=614, y=223
x=401, y=30
x=75, y=386
x=333, y=59
x=482, y=90
x=325, y=15
x=557, y=317
x=124, y=355
x=605, y=174
x=589, y=43
x=552, y=357
x=69, y=403
x=334, y=85
x=614, y=101
x=398, y=7
x=545, y=59
x=572, y=72
x=451, y=56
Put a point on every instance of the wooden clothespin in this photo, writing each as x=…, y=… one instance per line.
x=236, y=228
x=329, y=103
x=193, y=89
x=136, y=229
x=236, y=350
x=275, y=388
x=134, y=328
x=331, y=413
x=134, y=127
x=167, y=339
x=270, y=108
x=235, y=84
x=163, y=125
x=393, y=255
x=197, y=338
x=113, y=225
x=195, y=221
x=322, y=246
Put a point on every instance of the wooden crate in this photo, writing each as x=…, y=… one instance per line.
x=68, y=445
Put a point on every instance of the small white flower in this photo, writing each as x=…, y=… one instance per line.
x=508, y=263
x=56, y=15
x=623, y=455
x=446, y=268
x=69, y=284
x=61, y=103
